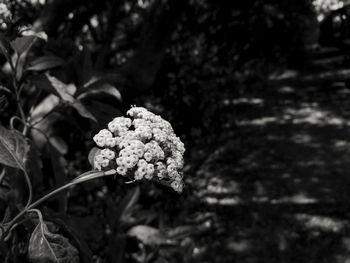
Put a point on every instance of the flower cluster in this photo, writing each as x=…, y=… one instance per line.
x=141, y=146
x=5, y=14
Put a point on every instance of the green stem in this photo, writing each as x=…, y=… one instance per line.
x=88, y=177
x=30, y=189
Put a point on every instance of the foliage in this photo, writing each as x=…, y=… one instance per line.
x=30, y=129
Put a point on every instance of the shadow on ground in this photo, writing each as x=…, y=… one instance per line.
x=279, y=184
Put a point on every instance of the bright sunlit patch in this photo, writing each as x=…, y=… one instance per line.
x=238, y=246
x=323, y=223
x=286, y=89
x=250, y=101
x=301, y=138
x=284, y=75
x=298, y=198
x=258, y=122
x=308, y=113
x=341, y=144
x=222, y=201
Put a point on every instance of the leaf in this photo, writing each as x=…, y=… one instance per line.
x=45, y=63
x=41, y=34
x=34, y=167
x=66, y=93
x=5, y=47
x=126, y=206
x=86, y=66
x=58, y=166
x=103, y=112
x=76, y=239
x=150, y=236
x=47, y=247
x=98, y=87
x=82, y=110
x=13, y=148
x=22, y=44
x=182, y=232
x=93, y=152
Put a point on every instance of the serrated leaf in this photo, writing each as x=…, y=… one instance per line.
x=45, y=63
x=150, y=236
x=48, y=247
x=13, y=148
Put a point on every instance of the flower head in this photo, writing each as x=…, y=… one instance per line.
x=141, y=146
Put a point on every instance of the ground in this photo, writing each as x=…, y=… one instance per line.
x=277, y=186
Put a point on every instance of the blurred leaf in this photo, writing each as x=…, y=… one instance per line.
x=58, y=143
x=48, y=104
x=22, y=44
x=41, y=82
x=100, y=87
x=103, y=112
x=150, y=236
x=5, y=47
x=41, y=34
x=45, y=246
x=82, y=110
x=127, y=205
x=66, y=93
x=90, y=228
x=181, y=232
x=34, y=166
x=93, y=152
x=47, y=126
x=20, y=64
x=13, y=148
x=85, y=62
x=45, y=63
x=58, y=166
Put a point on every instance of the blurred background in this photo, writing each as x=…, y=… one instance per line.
x=258, y=91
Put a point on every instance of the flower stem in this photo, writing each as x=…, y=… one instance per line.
x=89, y=176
